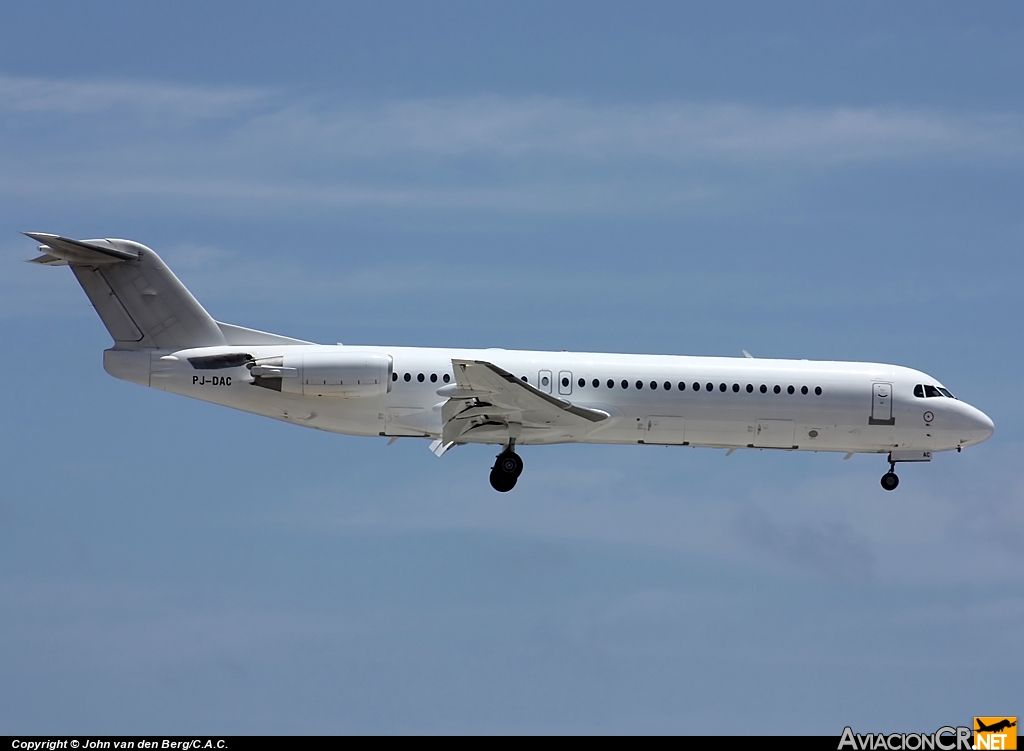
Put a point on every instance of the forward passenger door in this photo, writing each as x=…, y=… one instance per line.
x=881, y=404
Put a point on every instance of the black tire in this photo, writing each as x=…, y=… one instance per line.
x=501, y=481
x=509, y=463
x=890, y=481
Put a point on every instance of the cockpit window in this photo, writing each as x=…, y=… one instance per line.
x=924, y=391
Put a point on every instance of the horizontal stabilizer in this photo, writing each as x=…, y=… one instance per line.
x=47, y=260
x=90, y=252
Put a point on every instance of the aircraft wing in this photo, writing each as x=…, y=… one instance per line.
x=485, y=397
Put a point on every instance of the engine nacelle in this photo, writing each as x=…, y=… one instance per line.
x=343, y=374
x=349, y=374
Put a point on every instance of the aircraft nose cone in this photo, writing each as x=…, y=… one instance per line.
x=985, y=426
x=981, y=426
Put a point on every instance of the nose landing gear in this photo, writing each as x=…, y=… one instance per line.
x=506, y=470
x=890, y=480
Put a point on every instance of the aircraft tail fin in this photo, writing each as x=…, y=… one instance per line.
x=138, y=298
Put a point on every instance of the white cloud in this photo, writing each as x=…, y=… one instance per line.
x=511, y=128
x=243, y=150
x=116, y=99
x=515, y=128
x=203, y=192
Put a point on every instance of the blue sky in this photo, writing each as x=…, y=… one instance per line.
x=798, y=180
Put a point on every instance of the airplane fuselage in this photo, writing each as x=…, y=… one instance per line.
x=651, y=399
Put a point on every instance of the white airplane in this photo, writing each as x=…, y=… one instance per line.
x=163, y=338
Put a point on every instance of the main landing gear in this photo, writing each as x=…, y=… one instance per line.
x=506, y=470
x=890, y=479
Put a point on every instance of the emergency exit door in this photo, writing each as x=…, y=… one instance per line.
x=544, y=380
x=565, y=382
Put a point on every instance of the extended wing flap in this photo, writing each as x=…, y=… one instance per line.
x=488, y=392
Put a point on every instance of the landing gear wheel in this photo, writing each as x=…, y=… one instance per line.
x=890, y=481
x=506, y=470
x=501, y=481
x=510, y=463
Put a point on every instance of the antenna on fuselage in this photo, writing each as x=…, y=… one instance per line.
x=747, y=354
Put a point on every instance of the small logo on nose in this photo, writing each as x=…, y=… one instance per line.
x=928, y=417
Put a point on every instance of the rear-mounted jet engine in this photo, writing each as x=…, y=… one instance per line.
x=344, y=374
